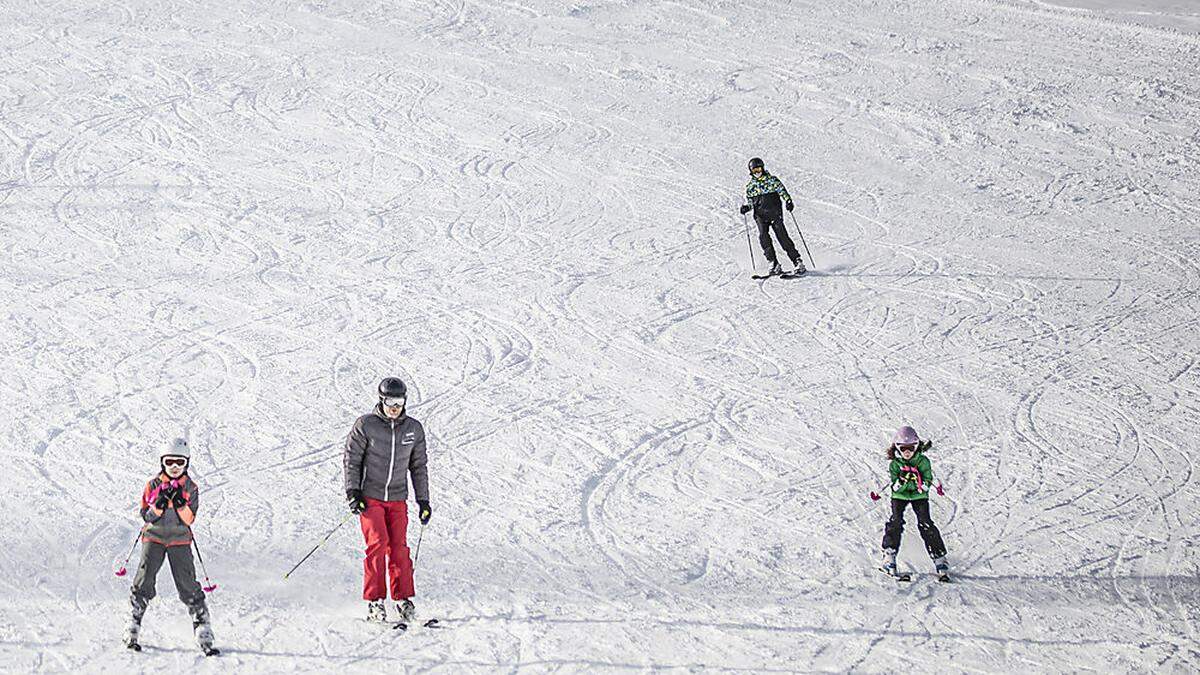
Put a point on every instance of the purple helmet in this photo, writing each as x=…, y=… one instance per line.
x=906, y=435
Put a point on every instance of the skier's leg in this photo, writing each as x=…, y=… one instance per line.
x=764, y=240
x=143, y=590
x=929, y=532
x=183, y=570
x=400, y=567
x=895, y=525
x=374, y=529
x=785, y=240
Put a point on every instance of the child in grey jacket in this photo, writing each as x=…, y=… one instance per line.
x=169, y=503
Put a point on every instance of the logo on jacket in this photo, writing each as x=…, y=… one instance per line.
x=409, y=437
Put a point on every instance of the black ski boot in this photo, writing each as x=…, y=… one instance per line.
x=131, y=634
x=407, y=610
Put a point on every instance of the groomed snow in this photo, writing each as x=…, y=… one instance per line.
x=230, y=219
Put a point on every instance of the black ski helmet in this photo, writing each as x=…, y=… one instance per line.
x=392, y=387
x=756, y=163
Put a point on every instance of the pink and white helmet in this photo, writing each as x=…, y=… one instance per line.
x=906, y=435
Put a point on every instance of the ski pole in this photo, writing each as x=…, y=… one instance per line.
x=209, y=586
x=801, y=232
x=320, y=544
x=121, y=572
x=420, y=536
x=749, y=247
x=876, y=497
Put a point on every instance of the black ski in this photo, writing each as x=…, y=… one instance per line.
x=432, y=623
x=898, y=576
x=944, y=577
x=133, y=646
x=211, y=651
x=781, y=275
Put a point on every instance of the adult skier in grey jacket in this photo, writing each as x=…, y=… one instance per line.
x=383, y=448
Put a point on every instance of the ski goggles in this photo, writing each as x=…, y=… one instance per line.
x=175, y=461
x=910, y=447
x=757, y=169
x=393, y=401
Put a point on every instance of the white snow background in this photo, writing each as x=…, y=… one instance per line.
x=230, y=219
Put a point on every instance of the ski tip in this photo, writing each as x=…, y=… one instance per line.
x=432, y=623
x=135, y=647
x=400, y=626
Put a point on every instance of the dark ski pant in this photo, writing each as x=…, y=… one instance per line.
x=929, y=532
x=774, y=223
x=385, y=529
x=183, y=570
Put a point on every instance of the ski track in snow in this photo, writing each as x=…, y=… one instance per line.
x=230, y=221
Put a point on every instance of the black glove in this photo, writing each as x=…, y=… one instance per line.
x=745, y=209
x=163, y=500
x=355, y=499
x=178, y=501
x=424, y=511
x=790, y=206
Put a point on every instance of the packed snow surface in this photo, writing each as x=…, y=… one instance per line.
x=230, y=219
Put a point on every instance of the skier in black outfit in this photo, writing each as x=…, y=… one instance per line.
x=767, y=196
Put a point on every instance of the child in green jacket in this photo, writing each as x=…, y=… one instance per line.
x=912, y=478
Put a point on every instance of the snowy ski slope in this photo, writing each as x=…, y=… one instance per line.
x=230, y=219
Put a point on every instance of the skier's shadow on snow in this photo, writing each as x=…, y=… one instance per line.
x=842, y=271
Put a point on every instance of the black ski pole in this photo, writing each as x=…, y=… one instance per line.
x=319, y=545
x=209, y=586
x=420, y=536
x=749, y=247
x=810, y=258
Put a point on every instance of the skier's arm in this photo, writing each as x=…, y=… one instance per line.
x=783, y=193
x=187, y=512
x=926, y=469
x=894, y=473
x=149, y=513
x=352, y=459
x=417, y=466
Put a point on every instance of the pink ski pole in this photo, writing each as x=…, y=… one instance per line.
x=209, y=586
x=121, y=572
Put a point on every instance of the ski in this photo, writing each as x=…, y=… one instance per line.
x=133, y=646
x=210, y=651
x=898, y=576
x=394, y=625
x=943, y=577
x=781, y=275
x=432, y=623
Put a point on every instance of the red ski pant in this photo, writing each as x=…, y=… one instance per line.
x=385, y=528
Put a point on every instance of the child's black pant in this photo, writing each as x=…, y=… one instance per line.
x=929, y=532
x=182, y=569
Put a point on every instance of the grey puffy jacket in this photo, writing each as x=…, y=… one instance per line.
x=171, y=526
x=380, y=453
